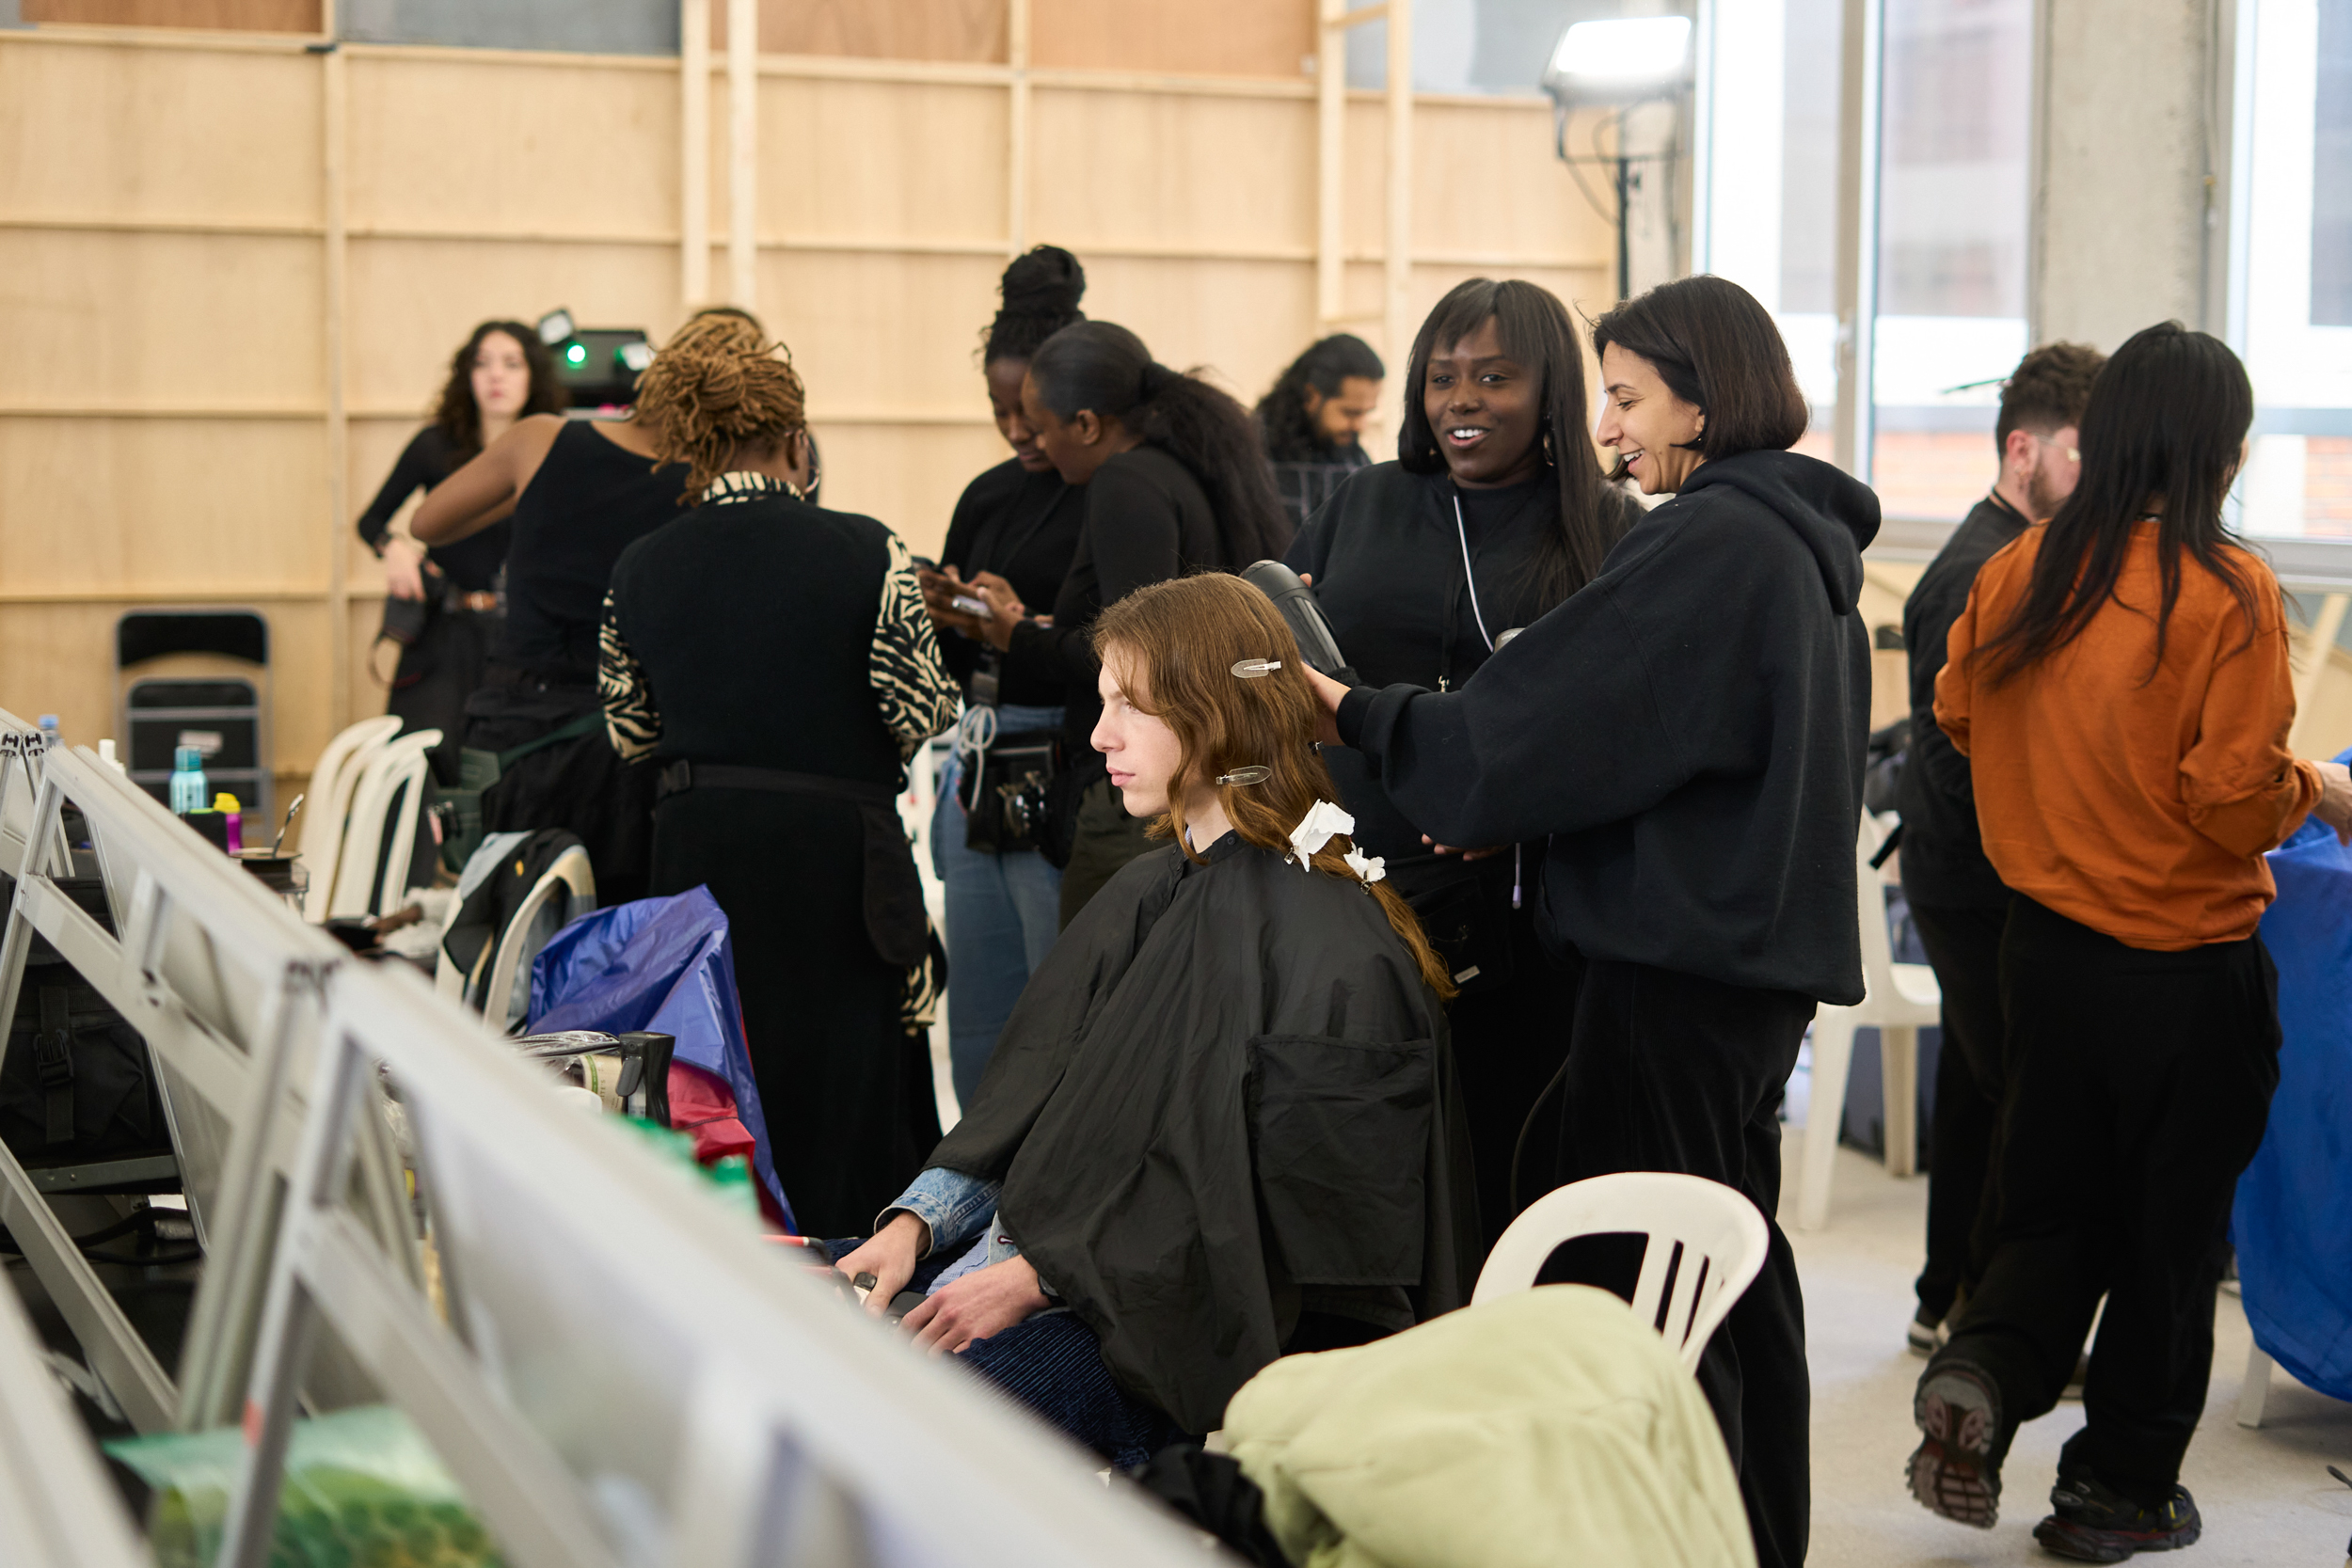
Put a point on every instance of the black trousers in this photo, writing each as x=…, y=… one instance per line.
x=1674, y=1073
x=1965, y=946
x=2141, y=1089
x=1508, y=1046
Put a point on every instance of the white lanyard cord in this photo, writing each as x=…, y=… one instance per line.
x=1468, y=580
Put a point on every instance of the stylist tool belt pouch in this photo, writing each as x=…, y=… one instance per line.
x=1465, y=911
x=896, y=920
x=1005, y=792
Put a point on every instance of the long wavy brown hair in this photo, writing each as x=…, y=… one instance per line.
x=1178, y=642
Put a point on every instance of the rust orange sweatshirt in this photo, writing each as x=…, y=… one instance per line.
x=2139, y=807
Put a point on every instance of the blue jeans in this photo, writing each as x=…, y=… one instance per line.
x=1003, y=914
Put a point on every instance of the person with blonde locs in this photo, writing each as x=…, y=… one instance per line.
x=1221, y=1124
x=773, y=663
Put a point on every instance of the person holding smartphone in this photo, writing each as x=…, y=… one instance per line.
x=1016, y=526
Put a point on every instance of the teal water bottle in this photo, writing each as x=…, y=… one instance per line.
x=188, y=789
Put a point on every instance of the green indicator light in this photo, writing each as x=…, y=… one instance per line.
x=576, y=354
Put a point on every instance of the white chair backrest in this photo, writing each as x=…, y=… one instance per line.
x=1877, y=949
x=517, y=946
x=1707, y=1245
x=327, y=812
x=397, y=763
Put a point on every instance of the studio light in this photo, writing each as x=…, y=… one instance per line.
x=1616, y=61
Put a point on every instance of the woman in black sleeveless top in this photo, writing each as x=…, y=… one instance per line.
x=441, y=614
x=581, y=492
x=774, y=661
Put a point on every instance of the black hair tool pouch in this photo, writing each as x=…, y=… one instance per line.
x=76, y=1086
x=1465, y=911
x=1007, y=807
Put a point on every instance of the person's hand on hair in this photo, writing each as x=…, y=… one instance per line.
x=2335, y=799
x=984, y=1302
x=889, y=1255
x=404, y=568
x=1327, y=693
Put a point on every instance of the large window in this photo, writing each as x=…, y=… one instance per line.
x=1954, y=80
x=2291, y=263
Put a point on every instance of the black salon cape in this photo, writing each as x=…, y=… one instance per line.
x=1226, y=1087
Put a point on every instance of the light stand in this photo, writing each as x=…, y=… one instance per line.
x=1618, y=64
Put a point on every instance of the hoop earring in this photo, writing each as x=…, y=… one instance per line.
x=1549, y=461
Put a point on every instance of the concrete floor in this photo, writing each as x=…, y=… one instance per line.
x=2266, y=1495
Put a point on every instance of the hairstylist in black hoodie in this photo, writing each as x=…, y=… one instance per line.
x=1421, y=566
x=1687, y=730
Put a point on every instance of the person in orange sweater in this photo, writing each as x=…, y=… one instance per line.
x=2119, y=682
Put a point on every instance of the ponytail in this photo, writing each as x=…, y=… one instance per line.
x=1104, y=367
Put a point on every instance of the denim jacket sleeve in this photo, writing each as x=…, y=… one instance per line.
x=956, y=1207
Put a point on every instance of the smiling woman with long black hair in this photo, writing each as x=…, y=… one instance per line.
x=1687, y=732
x=1495, y=511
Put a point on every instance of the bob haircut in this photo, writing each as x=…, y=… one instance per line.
x=1180, y=640
x=1714, y=346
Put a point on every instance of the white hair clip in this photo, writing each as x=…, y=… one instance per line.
x=1370, y=868
x=1320, y=824
x=1254, y=773
x=1257, y=669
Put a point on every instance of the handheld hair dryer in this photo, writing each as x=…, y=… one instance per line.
x=1297, y=601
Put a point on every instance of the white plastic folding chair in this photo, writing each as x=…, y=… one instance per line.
x=1901, y=998
x=1707, y=1245
x=570, y=877
x=388, y=800
x=327, y=811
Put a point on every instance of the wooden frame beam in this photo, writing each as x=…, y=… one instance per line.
x=693, y=237
x=743, y=153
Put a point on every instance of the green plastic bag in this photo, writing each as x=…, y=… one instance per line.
x=363, y=1490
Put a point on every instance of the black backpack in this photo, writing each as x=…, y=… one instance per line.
x=76, y=1086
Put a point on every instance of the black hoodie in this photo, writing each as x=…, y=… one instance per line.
x=1689, y=729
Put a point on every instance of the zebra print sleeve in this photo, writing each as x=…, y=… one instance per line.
x=630, y=719
x=918, y=698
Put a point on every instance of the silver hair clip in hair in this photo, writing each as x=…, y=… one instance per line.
x=1254, y=773
x=1257, y=669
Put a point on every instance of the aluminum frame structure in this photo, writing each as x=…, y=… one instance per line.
x=221, y=980
x=62, y=1509
x=625, y=1373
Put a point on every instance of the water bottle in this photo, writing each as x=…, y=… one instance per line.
x=49, y=732
x=188, y=790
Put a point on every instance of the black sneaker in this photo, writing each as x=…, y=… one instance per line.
x=2095, y=1523
x=1952, y=1472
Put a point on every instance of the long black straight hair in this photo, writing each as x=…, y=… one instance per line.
x=2161, y=436
x=1534, y=330
x=1102, y=366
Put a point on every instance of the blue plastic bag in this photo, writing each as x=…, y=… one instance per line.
x=2288, y=1222
x=664, y=965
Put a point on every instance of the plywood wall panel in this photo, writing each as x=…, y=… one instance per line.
x=908, y=477
x=172, y=505
x=887, y=333
x=445, y=144
x=878, y=161
x=413, y=302
x=95, y=319
x=265, y=16
x=1239, y=321
x=972, y=30
x=1215, y=37
x=1486, y=179
x=1163, y=168
x=127, y=134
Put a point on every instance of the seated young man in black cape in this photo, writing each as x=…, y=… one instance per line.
x=1222, y=1123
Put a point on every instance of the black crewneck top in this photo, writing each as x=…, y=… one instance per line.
x=472, y=563
x=1024, y=527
